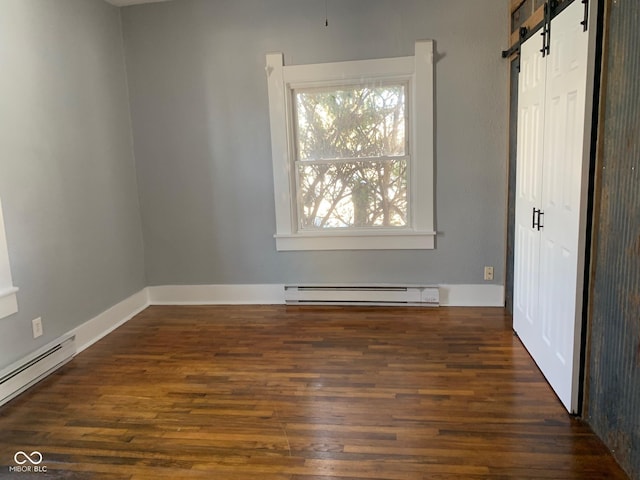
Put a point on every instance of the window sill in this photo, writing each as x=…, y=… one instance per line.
x=356, y=241
x=8, y=302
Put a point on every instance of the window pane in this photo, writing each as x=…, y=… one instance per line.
x=353, y=194
x=350, y=122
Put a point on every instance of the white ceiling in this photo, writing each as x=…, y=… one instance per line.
x=124, y=3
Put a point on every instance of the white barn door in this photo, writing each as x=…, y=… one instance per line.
x=551, y=201
x=530, y=147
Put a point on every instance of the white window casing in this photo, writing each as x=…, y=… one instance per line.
x=8, y=300
x=417, y=72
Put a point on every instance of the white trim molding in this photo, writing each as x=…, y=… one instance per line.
x=8, y=298
x=273, y=294
x=478, y=295
x=72, y=343
x=255, y=294
x=418, y=72
x=101, y=325
x=353, y=241
x=264, y=294
x=8, y=302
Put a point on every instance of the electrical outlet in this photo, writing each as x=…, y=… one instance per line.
x=36, y=323
x=488, y=273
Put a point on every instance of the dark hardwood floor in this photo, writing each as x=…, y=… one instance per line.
x=274, y=392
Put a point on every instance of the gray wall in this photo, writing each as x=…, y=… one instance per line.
x=67, y=180
x=201, y=132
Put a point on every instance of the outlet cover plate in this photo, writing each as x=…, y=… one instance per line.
x=488, y=273
x=36, y=324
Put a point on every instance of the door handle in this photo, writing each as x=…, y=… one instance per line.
x=536, y=219
x=585, y=22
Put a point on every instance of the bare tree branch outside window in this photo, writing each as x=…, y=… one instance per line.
x=351, y=157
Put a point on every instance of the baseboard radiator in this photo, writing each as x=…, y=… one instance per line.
x=16, y=378
x=385, y=295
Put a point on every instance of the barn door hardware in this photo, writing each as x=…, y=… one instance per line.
x=546, y=30
x=552, y=8
x=522, y=35
x=585, y=22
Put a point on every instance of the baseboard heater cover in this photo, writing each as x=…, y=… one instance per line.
x=384, y=295
x=16, y=378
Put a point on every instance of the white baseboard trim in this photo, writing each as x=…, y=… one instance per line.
x=267, y=294
x=85, y=335
x=477, y=295
x=264, y=294
x=101, y=325
x=273, y=294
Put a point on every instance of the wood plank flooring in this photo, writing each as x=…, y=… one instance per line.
x=292, y=393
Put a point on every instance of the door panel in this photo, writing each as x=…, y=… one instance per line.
x=563, y=162
x=531, y=94
x=548, y=262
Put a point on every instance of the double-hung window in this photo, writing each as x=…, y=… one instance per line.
x=352, y=146
x=351, y=156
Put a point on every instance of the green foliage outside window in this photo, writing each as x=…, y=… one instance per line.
x=351, y=151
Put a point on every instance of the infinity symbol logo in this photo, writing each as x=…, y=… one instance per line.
x=35, y=458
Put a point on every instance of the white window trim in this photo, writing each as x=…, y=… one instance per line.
x=8, y=297
x=418, y=70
